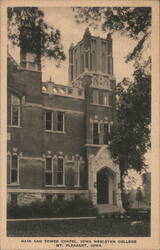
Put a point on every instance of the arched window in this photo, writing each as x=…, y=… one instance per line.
x=15, y=110
x=95, y=133
x=54, y=171
x=13, y=168
x=86, y=60
x=76, y=64
x=94, y=63
x=110, y=65
x=49, y=171
x=103, y=62
x=82, y=63
x=91, y=61
x=60, y=171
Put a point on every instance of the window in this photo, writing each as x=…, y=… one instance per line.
x=48, y=172
x=111, y=100
x=82, y=63
x=59, y=173
x=54, y=171
x=101, y=97
x=100, y=133
x=105, y=98
x=60, y=121
x=95, y=96
x=15, y=110
x=14, y=169
x=95, y=133
x=103, y=62
x=71, y=72
x=54, y=121
x=76, y=68
x=110, y=65
x=49, y=120
x=94, y=65
x=90, y=61
x=86, y=60
x=94, y=44
x=105, y=133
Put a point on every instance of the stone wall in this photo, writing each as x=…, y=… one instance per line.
x=24, y=198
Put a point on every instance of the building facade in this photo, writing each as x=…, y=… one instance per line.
x=58, y=135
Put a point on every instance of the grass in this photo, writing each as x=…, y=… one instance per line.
x=100, y=227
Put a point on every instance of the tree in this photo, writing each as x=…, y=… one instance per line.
x=147, y=187
x=28, y=30
x=130, y=134
x=139, y=196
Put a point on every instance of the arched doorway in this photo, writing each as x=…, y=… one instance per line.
x=105, y=186
x=102, y=187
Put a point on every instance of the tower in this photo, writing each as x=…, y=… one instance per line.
x=91, y=67
x=91, y=55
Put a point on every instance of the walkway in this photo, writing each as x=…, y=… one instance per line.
x=52, y=219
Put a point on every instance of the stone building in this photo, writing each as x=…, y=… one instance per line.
x=58, y=135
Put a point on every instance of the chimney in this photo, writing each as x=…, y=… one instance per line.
x=30, y=61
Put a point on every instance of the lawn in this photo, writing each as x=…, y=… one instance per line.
x=100, y=227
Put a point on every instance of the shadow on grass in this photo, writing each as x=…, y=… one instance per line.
x=100, y=227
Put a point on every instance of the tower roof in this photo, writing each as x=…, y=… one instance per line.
x=109, y=36
x=87, y=33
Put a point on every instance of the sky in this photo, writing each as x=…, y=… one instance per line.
x=63, y=19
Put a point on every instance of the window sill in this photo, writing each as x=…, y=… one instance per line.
x=55, y=186
x=76, y=186
x=55, y=132
x=95, y=145
x=13, y=185
x=12, y=126
x=101, y=105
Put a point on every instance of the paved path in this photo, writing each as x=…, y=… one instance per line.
x=52, y=219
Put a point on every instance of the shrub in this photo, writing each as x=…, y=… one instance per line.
x=65, y=208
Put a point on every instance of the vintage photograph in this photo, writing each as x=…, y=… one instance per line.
x=79, y=121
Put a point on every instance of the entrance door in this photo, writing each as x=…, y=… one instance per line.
x=102, y=187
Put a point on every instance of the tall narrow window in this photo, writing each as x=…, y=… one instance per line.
x=71, y=72
x=110, y=65
x=82, y=63
x=110, y=99
x=105, y=133
x=60, y=170
x=94, y=63
x=15, y=111
x=101, y=101
x=76, y=64
x=48, y=120
x=95, y=96
x=103, y=62
x=14, y=170
x=86, y=60
x=95, y=133
x=60, y=121
x=91, y=66
x=105, y=98
x=48, y=171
